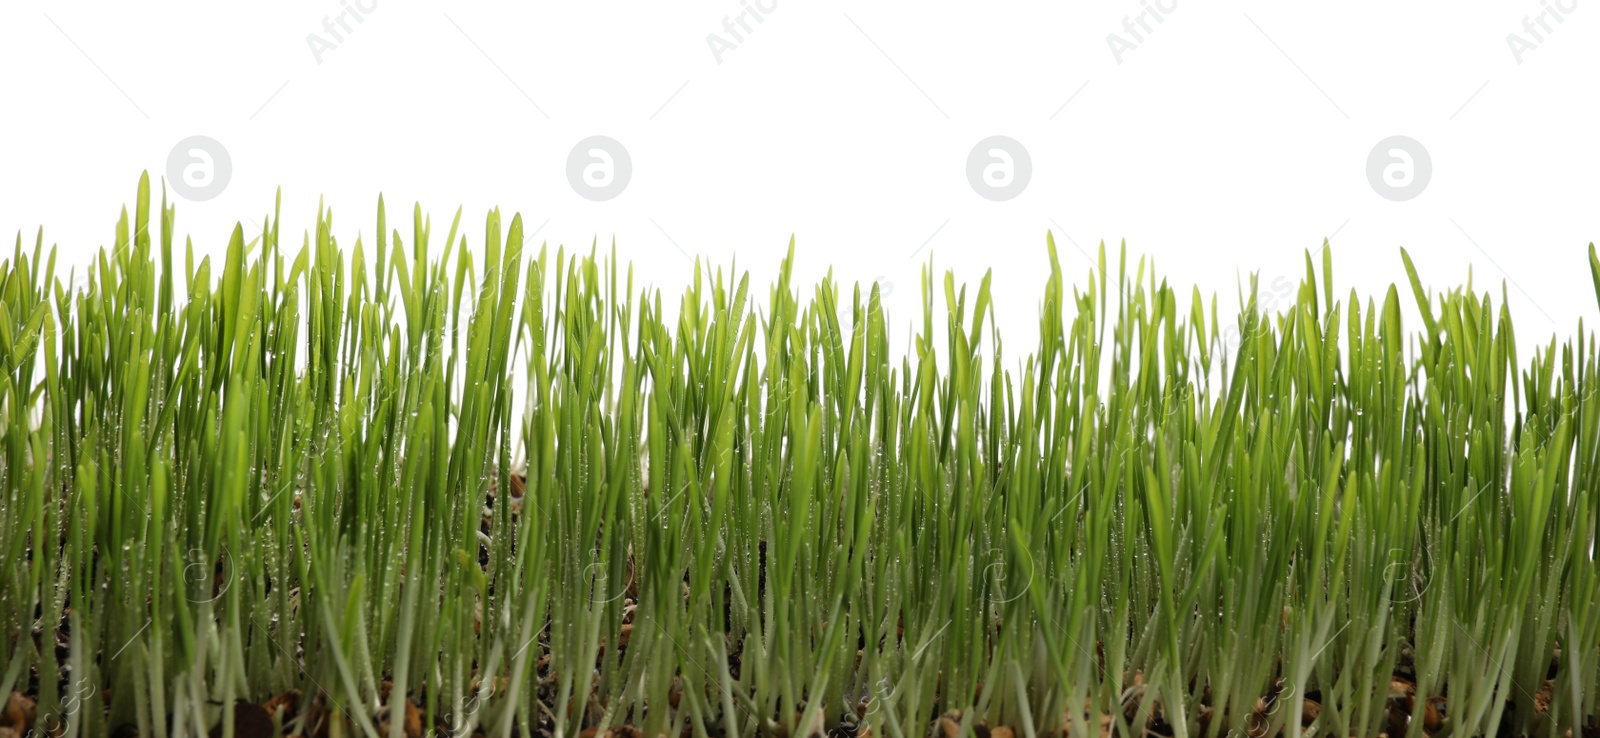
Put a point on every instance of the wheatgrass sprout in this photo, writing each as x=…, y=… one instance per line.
x=292, y=492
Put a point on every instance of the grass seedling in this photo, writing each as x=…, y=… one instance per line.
x=414, y=486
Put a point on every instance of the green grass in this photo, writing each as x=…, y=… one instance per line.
x=297, y=469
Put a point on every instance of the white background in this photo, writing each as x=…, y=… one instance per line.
x=1229, y=141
